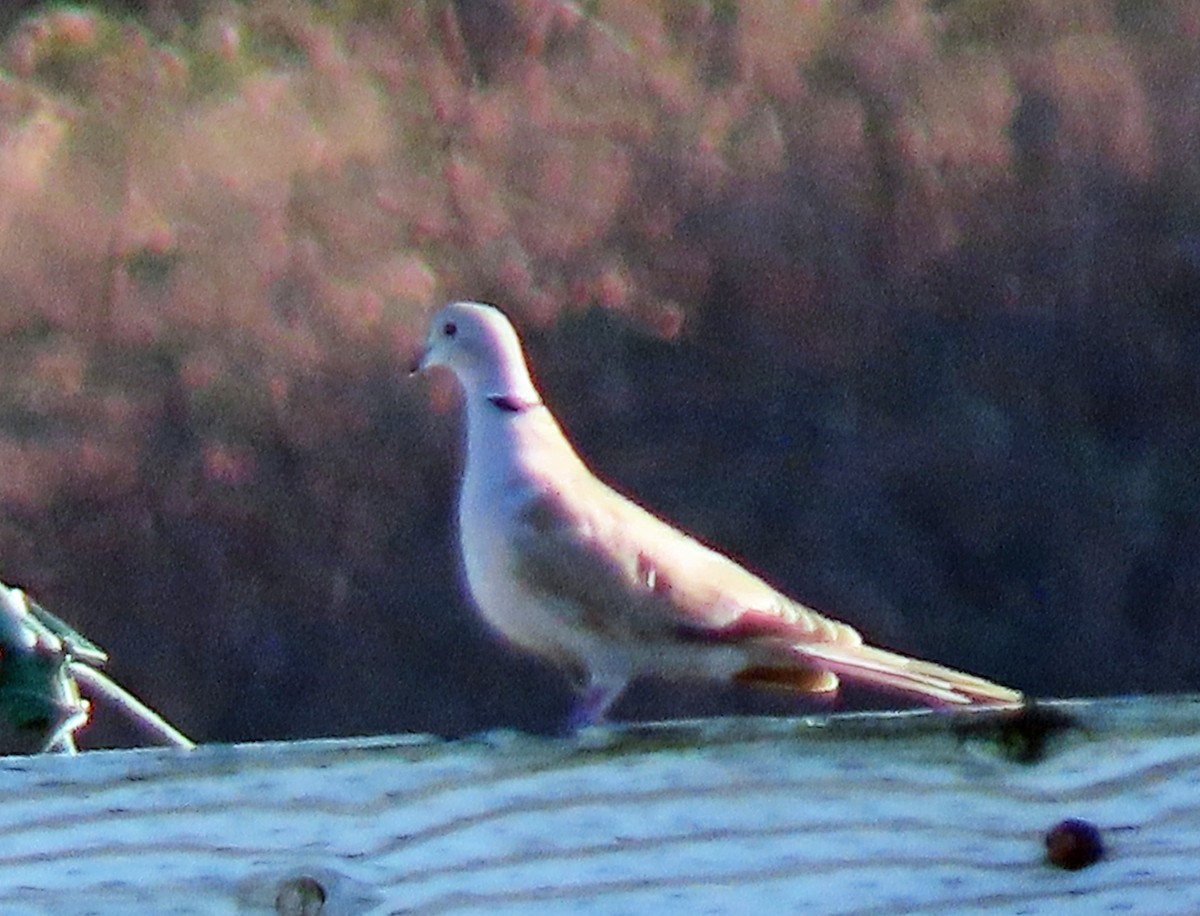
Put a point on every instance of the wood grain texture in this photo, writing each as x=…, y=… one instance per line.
x=914, y=812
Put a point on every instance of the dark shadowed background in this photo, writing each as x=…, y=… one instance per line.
x=897, y=302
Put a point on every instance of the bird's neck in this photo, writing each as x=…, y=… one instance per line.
x=498, y=424
x=510, y=437
x=501, y=400
x=508, y=403
x=503, y=383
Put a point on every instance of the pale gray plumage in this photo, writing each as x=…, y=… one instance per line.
x=567, y=568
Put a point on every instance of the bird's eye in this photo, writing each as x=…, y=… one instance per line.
x=449, y=329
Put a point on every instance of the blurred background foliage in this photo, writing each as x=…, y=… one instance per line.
x=896, y=300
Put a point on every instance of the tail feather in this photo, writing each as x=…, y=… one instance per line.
x=791, y=678
x=890, y=670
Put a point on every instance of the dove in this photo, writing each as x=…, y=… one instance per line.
x=566, y=568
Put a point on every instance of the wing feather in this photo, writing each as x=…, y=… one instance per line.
x=635, y=576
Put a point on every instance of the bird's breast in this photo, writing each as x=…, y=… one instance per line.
x=490, y=505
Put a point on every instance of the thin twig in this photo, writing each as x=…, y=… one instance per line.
x=131, y=704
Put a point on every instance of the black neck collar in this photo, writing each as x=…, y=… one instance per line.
x=510, y=404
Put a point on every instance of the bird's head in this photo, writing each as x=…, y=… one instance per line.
x=479, y=345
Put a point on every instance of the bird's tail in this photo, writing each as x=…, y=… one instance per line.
x=931, y=682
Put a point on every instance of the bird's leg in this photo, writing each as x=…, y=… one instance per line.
x=592, y=705
x=589, y=708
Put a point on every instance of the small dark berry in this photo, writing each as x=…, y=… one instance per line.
x=1074, y=844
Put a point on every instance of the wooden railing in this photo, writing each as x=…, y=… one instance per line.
x=875, y=813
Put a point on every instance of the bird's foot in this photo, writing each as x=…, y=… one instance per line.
x=589, y=708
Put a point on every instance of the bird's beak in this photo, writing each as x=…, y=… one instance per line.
x=419, y=364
